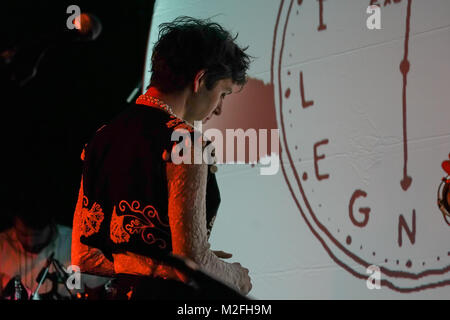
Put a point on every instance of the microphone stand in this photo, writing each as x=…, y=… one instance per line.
x=42, y=276
x=62, y=273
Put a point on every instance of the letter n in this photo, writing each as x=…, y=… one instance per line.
x=410, y=233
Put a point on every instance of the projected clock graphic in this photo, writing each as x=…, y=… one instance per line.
x=362, y=136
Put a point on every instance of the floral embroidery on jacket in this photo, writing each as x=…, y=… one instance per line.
x=91, y=219
x=117, y=232
x=137, y=221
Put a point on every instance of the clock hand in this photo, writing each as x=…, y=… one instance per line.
x=404, y=69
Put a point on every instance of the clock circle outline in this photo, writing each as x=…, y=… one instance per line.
x=276, y=67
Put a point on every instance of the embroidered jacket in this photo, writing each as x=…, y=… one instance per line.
x=123, y=200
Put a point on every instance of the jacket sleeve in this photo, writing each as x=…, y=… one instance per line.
x=187, y=218
x=89, y=259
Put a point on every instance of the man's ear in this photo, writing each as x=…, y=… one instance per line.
x=199, y=80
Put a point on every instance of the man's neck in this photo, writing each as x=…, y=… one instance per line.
x=176, y=101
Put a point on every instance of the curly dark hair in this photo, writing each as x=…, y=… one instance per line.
x=187, y=45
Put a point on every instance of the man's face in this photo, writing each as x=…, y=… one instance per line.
x=32, y=240
x=209, y=102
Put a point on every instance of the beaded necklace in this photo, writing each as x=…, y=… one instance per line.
x=165, y=106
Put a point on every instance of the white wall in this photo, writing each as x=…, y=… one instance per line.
x=294, y=231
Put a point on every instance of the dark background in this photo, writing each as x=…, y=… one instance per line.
x=78, y=88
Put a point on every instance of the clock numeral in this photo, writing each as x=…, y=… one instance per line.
x=364, y=211
x=305, y=104
x=316, y=160
x=402, y=225
x=321, y=26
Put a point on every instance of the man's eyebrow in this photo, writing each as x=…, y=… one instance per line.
x=229, y=91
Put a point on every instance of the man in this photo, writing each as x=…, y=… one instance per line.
x=135, y=202
x=24, y=252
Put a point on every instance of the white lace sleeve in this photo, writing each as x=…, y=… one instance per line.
x=187, y=219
